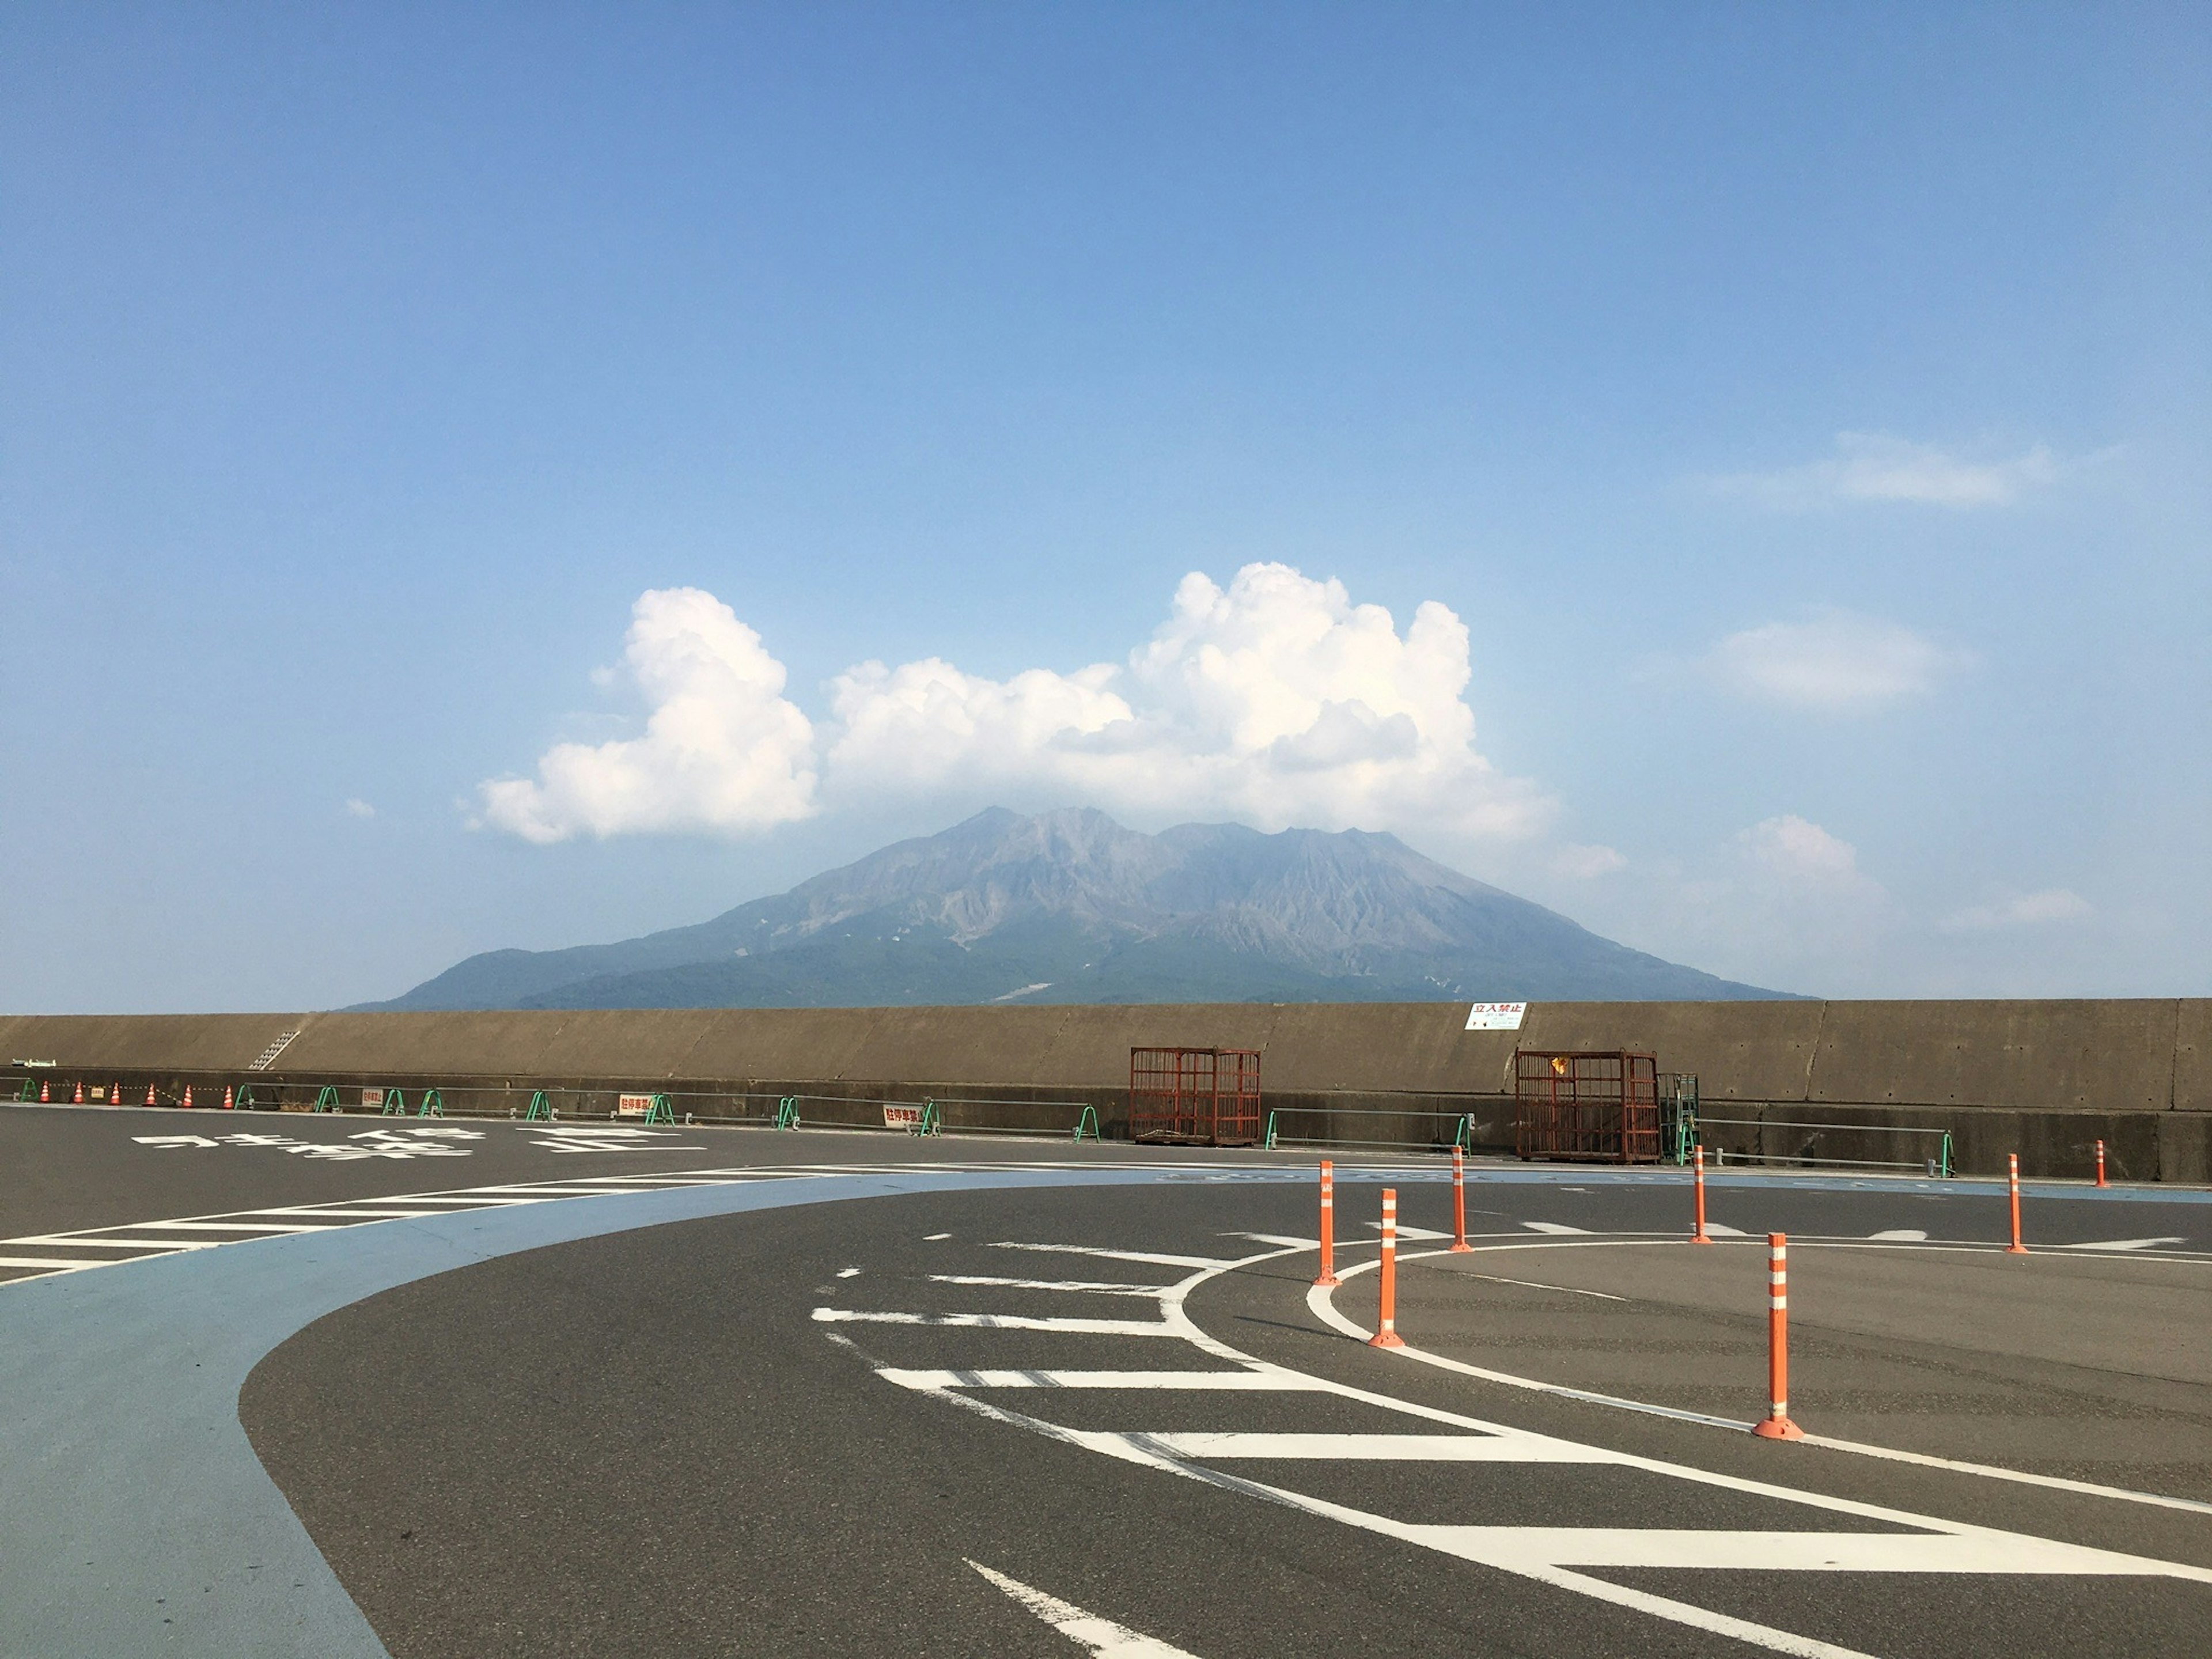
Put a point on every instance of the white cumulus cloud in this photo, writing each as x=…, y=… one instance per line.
x=1837, y=661
x=355, y=807
x=1877, y=466
x=1275, y=701
x=723, y=748
x=2023, y=910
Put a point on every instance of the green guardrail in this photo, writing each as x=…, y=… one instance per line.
x=1462, y=1132
x=245, y=1102
x=931, y=1122
x=434, y=1104
x=395, y=1104
x=541, y=1109
x=660, y=1111
x=787, y=1112
x=1086, y=1127
x=327, y=1099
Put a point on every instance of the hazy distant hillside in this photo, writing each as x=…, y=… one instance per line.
x=1071, y=907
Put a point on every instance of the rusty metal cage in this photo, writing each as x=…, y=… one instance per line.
x=1194, y=1096
x=1593, y=1108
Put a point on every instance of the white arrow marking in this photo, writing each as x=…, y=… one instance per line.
x=1553, y=1227
x=1102, y=1637
x=173, y=1141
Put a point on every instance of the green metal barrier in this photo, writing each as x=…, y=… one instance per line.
x=932, y=1122
x=541, y=1110
x=26, y=1093
x=244, y=1100
x=395, y=1104
x=434, y=1104
x=326, y=1100
x=660, y=1111
x=1086, y=1127
x=1269, y=1143
x=787, y=1112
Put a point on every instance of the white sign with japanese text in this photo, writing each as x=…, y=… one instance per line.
x=1496, y=1016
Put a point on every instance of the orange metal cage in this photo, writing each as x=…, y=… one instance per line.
x=1194, y=1096
x=1594, y=1107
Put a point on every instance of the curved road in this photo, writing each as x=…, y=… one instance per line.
x=846, y=1393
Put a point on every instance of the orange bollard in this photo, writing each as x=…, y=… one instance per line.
x=2012, y=1178
x=1459, y=1202
x=1386, y=1325
x=1697, y=1163
x=1775, y=1425
x=2101, y=1182
x=1328, y=1224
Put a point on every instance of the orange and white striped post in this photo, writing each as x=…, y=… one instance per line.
x=45, y=1092
x=1698, y=1181
x=2012, y=1180
x=1775, y=1425
x=149, y=1094
x=78, y=1098
x=1459, y=1202
x=2101, y=1182
x=188, y=1095
x=230, y=1098
x=1328, y=1224
x=1386, y=1324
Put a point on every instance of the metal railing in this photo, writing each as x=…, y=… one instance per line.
x=1942, y=1165
x=1462, y=1135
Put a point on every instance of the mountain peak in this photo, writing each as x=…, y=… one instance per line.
x=1072, y=906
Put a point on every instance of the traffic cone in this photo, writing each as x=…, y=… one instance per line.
x=187, y=1100
x=149, y=1094
x=230, y=1098
x=79, y=1100
x=46, y=1094
x=115, y=1095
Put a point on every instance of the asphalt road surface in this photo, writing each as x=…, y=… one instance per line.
x=738, y=1392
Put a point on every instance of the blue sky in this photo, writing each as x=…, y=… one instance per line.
x=452, y=461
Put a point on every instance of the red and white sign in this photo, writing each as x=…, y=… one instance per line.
x=372, y=1098
x=1496, y=1016
x=633, y=1105
x=901, y=1117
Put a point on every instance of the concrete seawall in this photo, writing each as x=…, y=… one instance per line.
x=2045, y=1078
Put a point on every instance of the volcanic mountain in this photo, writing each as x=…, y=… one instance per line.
x=1072, y=907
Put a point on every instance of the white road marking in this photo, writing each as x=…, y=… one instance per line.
x=44, y=1261
x=1531, y=1284
x=1205, y=1447
x=2124, y=1244
x=1553, y=1227
x=934, y=1238
x=1719, y=1232
x=1104, y=1637
x=1096, y=1285
x=174, y=1141
x=1405, y=1231
x=849, y=1273
x=1256, y=1381
x=1903, y=1234
x=999, y=1322
x=1151, y=1257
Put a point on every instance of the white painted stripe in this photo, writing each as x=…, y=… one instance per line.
x=216, y=1227
x=1903, y=1234
x=1151, y=1257
x=1260, y=1382
x=2124, y=1244
x=1405, y=1231
x=1531, y=1284
x=1719, y=1232
x=42, y=1262
x=1374, y=1447
x=1097, y=1285
x=1102, y=1637
x=1970, y=1551
x=1000, y=1322
x=354, y=1215
x=156, y=1246
x=1558, y=1227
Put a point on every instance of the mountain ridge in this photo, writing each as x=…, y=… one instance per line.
x=1072, y=907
